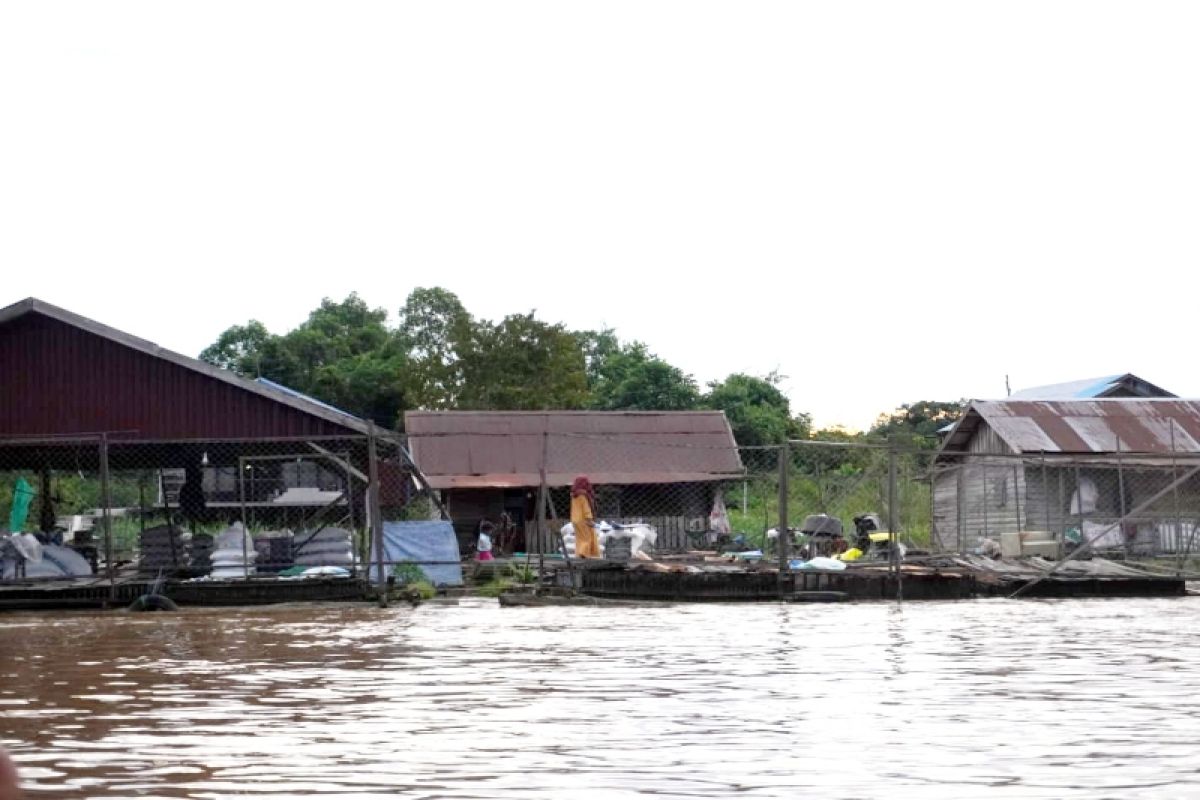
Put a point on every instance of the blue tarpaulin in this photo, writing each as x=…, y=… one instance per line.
x=430, y=544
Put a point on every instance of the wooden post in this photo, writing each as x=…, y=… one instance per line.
x=960, y=486
x=983, y=465
x=546, y=514
x=106, y=516
x=893, y=522
x=1175, y=492
x=783, y=540
x=375, y=515
x=242, y=466
x=1046, y=494
x=349, y=493
x=1121, y=484
x=1018, y=472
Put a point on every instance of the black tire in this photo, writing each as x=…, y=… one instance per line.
x=153, y=602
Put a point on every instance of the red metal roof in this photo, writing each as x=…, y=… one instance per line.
x=1151, y=426
x=64, y=374
x=476, y=449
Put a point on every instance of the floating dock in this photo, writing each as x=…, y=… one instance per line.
x=99, y=593
x=932, y=578
x=677, y=579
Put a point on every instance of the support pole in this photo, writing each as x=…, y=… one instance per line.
x=1120, y=479
x=1046, y=501
x=1175, y=493
x=106, y=504
x=894, y=522
x=960, y=486
x=546, y=513
x=782, y=542
x=243, y=465
x=376, y=515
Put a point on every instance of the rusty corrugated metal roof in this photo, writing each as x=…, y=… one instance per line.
x=482, y=449
x=1129, y=425
x=66, y=374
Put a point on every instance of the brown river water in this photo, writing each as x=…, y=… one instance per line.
x=988, y=699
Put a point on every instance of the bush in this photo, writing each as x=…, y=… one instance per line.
x=423, y=589
x=495, y=588
x=407, y=573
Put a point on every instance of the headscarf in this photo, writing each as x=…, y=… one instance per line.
x=583, y=486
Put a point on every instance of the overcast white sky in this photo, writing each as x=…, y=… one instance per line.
x=885, y=201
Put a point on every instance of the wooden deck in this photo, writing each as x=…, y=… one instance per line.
x=943, y=579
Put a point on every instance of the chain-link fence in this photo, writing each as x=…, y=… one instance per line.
x=675, y=493
x=1122, y=505
x=101, y=509
x=114, y=510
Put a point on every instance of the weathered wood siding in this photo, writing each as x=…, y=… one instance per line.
x=979, y=497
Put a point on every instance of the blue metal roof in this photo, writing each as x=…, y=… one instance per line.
x=302, y=396
x=1080, y=390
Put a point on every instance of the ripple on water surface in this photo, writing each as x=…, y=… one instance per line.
x=996, y=699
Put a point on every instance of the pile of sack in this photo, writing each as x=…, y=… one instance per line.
x=235, y=555
x=200, y=552
x=23, y=553
x=640, y=537
x=327, y=547
x=162, y=548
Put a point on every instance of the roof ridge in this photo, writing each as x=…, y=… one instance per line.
x=285, y=396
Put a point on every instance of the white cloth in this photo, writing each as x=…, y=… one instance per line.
x=1084, y=499
x=718, y=518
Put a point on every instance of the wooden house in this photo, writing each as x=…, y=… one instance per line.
x=658, y=467
x=1131, y=465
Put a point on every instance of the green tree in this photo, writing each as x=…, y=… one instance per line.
x=758, y=411
x=631, y=377
x=522, y=363
x=597, y=347
x=239, y=348
x=918, y=423
x=438, y=333
x=343, y=354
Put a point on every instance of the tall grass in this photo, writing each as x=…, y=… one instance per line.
x=753, y=506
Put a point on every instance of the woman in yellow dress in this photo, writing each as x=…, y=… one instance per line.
x=583, y=501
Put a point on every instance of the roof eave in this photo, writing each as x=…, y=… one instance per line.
x=33, y=305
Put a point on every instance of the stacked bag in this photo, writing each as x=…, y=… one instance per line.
x=235, y=554
x=161, y=548
x=200, y=552
x=274, y=550
x=327, y=547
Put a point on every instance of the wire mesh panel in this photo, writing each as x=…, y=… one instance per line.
x=52, y=510
x=861, y=487
x=194, y=510
x=1125, y=505
x=678, y=487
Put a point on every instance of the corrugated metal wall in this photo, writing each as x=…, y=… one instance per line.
x=57, y=379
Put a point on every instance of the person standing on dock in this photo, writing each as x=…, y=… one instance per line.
x=583, y=503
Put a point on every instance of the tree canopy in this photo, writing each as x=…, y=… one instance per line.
x=438, y=356
x=757, y=410
x=918, y=423
x=344, y=354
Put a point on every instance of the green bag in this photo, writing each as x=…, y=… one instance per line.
x=22, y=496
